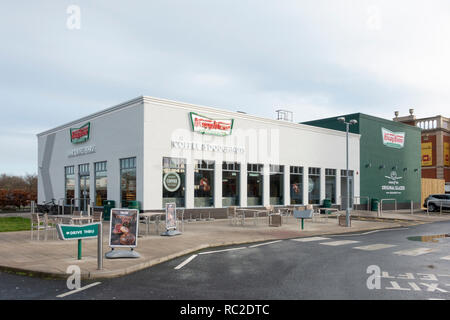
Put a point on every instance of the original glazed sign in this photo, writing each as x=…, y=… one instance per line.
x=393, y=186
x=81, y=151
x=393, y=139
x=81, y=134
x=205, y=125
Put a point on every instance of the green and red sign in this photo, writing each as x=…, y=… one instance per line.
x=205, y=125
x=393, y=139
x=77, y=232
x=81, y=134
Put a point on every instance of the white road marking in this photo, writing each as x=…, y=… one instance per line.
x=415, y=252
x=208, y=252
x=368, y=232
x=310, y=239
x=373, y=247
x=414, y=286
x=185, y=262
x=446, y=258
x=78, y=290
x=339, y=243
x=263, y=244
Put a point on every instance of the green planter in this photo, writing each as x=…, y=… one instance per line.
x=326, y=203
x=374, y=203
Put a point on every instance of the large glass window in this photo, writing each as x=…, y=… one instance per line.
x=276, y=184
x=344, y=188
x=230, y=183
x=101, y=183
x=69, y=184
x=330, y=184
x=254, y=184
x=204, y=183
x=314, y=185
x=174, y=181
x=296, y=185
x=85, y=186
x=127, y=181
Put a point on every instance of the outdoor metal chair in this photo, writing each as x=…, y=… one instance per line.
x=38, y=224
x=97, y=216
x=231, y=213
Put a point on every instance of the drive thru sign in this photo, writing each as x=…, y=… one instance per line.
x=74, y=232
x=84, y=231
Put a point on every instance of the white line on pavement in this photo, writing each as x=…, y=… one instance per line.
x=415, y=252
x=310, y=239
x=339, y=243
x=185, y=262
x=373, y=247
x=208, y=252
x=368, y=232
x=78, y=290
x=446, y=258
x=263, y=244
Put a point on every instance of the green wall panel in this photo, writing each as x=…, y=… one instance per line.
x=386, y=172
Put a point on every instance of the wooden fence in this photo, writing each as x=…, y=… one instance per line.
x=431, y=186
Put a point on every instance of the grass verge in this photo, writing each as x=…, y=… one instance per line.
x=9, y=224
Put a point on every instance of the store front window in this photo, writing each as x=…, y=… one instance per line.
x=330, y=185
x=101, y=183
x=174, y=181
x=204, y=183
x=254, y=185
x=314, y=185
x=276, y=184
x=344, y=188
x=127, y=181
x=85, y=186
x=230, y=183
x=296, y=185
x=69, y=184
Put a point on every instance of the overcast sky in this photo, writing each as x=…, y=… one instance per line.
x=315, y=58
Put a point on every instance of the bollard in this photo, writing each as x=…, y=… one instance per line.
x=100, y=247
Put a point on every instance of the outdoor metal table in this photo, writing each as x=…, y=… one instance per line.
x=147, y=216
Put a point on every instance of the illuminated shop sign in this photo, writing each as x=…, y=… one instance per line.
x=393, y=139
x=205, y=125
x=81, y=134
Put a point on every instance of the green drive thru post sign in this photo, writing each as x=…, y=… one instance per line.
x=74, y=232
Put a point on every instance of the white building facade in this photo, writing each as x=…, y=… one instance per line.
x=156, y=151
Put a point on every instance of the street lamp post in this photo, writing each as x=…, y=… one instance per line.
x=347, y=127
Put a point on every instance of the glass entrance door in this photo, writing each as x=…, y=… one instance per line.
x=84, y=192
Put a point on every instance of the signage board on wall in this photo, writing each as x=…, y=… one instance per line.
x=206, y=125
x=427, y=154
x=393, y=139
x=81, y=134
x=124, y=225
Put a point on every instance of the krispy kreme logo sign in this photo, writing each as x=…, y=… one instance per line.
x=205, y=125
x=81, y=134
x=393, y=139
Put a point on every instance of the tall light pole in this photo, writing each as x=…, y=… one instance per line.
x=347, y=126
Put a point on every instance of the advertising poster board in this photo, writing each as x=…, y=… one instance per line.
x=124, y=225
x=171, y=216
x=427, y=154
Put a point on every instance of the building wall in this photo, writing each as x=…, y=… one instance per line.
x=115, y=135
x=265, y=141
x=378, y=161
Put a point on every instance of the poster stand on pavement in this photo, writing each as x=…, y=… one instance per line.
x=123, y=231
x=171, y=220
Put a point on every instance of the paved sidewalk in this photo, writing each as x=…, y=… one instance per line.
x=51, y=258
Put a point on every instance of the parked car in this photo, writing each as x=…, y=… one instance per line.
x=434, y=201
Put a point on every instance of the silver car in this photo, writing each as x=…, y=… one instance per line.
x=434, y=202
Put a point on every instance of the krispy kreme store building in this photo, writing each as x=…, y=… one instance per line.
x=157, y=151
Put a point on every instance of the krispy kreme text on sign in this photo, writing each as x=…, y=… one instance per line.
x=81, y=134
x=393, y=139
x=205, y=125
